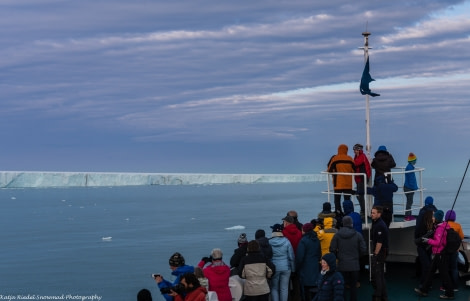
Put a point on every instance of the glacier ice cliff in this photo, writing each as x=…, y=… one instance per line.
x=43, y=179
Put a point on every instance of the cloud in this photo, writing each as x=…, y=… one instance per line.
x=150, y=74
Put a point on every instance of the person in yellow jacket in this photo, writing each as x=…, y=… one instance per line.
x=325, y=235
x=342, y=184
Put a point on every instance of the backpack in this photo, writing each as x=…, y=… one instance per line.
x=453, y=241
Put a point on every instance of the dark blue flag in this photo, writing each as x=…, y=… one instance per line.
x=365, y=80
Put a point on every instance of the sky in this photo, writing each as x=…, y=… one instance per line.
x=230, y=86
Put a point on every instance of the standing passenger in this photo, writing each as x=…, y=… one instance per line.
x=362, y=166
x=178, y=268
x=283, y=260
x=428, y=206
x=294, y=235
x=379, y=235
x=218, y=274
x=295, y=216
x=307, y=259
x=326, y=234
x=256, y=271
x=349, y=246
x=383, y=162
x=383, y=192
x=410, y=185
x=342, y=163
x=440, y=260
x=238, y=253
x=331, y=282
x=348, y=208
x=264, y=245
x=451, y=216
x=291, y=232
x=424, y=230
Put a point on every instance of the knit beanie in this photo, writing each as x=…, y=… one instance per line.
x=242, y=239
x=429, y=200
x=439, y=216
x=412, y=157
x=451, y=216
x=326, y=207
x=176, y=260
x=307, y=227
x=382, y=148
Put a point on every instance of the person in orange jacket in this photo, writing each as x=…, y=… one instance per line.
x=342, y=184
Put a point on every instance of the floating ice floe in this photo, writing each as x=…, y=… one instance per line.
x=106, y=238
x=239, y=227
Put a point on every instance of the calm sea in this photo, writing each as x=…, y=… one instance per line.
x=106, y=242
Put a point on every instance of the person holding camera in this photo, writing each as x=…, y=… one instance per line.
x=218, y=274
x=178, y=268
x=189, y=289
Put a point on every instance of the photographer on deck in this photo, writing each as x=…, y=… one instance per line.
x=178, y=267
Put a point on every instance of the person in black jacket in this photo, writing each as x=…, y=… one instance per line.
x=349, y=246
x=379, y=249
x=238, y=254
x=263, y=241
x=383, y=162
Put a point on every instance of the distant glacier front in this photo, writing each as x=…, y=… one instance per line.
x=40, y=179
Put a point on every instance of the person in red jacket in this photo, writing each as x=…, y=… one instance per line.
x=291, y=232
x=362, y=166
x=193, y=289
x=218, y=274
x=294, y=235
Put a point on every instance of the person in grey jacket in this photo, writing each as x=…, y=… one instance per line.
x=349, y=246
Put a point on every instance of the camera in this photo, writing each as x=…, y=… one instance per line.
x=156, y=275
x=179, y=289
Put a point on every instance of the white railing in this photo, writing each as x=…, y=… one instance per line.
x=398, y=175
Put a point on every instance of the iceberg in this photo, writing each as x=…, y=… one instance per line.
x=239, y=227
x=48, y=179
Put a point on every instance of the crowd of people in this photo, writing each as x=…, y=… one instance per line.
x=321, y=259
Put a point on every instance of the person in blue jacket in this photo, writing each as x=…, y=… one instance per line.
x=306, y=261
x=178, y=267
x=410, y=185
x=348, y=208
x=383, y=196
x=331, y=282
x=284, y=261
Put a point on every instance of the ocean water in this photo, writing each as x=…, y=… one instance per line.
x=106, y=242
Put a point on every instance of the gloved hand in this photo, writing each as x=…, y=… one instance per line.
x=206, y=259
x=425, y=240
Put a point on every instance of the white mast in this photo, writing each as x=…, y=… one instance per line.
x=366, y=35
